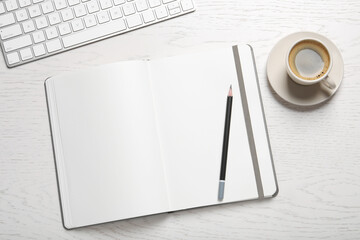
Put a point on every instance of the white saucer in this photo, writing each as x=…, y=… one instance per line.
x=295, y=93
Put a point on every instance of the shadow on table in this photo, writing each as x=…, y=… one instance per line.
x=293, y=106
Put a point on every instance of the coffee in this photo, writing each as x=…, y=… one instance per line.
x=309, y=60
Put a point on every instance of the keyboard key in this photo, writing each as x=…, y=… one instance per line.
x=47, y=7
x=141, y=5
x=34, y=11
x=173, y=5
x=148, y=16
x=67, y=14
x=161, y=12
x=103, y=17
x=77, y=25
x=80, y=10
x=186, y=5
x=154, y=3
x=92, y=6
x=118, y=2
x=60, y=4
x=64, y=29
x=26, y=54
x=134, y=21
x=167, y=1
x=115, y=13
x=53, y=45
x=13, y=58
x=51, y=33
x=11, y=5
x=38, y=36
x=9, y=32
x=105, y=4
x=128, y=9
x=17, y=43
x=73, y=2
x=28, y=26
x=7, y=19
x=90, y=21
x=174, y=11
x=54, y=18
x=24, y=3
x=94, y=33
x=2, y=8
x=21, y=15
x=41, y=22
x=39, y=50
x=37, y=1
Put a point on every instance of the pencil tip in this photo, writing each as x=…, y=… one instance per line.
x=230, y=91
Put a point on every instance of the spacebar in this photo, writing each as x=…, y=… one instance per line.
x=94, y=33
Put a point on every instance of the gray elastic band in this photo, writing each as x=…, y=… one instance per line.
x=248, y=122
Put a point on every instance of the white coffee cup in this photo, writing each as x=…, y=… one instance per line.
x=309, y=61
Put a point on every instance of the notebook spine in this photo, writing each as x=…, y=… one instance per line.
x=58, y=154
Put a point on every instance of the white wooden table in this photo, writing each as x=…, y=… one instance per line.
x=316, y=150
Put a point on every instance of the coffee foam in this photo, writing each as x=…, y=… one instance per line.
x=315, y=46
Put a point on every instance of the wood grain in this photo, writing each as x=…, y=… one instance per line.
x=316, y=150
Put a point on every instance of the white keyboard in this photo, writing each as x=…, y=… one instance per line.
x=34, y=29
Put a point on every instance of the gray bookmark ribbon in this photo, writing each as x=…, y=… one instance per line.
x=248, y=122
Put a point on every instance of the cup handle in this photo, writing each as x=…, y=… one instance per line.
x=328, y=83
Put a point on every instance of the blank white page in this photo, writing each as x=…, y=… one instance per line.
x=190, y=93
x=106, y=144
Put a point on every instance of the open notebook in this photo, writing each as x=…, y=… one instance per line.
x=144, y=137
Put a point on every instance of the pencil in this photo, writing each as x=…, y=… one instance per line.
x=225, y=145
